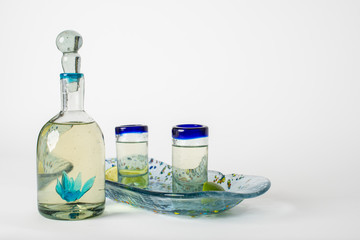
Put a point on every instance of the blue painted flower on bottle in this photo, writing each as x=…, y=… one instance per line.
x=70, y=189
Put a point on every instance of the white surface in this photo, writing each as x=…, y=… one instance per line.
x=276, y=82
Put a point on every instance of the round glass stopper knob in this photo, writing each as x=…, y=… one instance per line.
x=69, y=41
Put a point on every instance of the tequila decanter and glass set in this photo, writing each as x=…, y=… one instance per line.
x=71, y=158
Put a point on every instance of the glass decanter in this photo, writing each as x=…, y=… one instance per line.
x=70, y=148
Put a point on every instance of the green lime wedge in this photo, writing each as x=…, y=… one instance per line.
x=140, y=182
x=210, y=186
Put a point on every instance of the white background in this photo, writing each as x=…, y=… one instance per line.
x=277, y=82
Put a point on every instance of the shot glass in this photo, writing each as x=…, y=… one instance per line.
x=189, y=157
x=132, y=155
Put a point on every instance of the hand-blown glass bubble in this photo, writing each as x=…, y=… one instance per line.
x=69, y=42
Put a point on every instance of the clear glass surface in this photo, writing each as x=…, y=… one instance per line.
x=70, y=160
x=132, y=159
x=159, y=197
x=69, y=42
x=70, y=170
x=189, y=164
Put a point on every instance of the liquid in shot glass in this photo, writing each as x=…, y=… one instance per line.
x=189, y=157
x=132, y=155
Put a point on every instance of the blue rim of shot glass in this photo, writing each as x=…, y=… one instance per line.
x=134, y=128
x=189, y=131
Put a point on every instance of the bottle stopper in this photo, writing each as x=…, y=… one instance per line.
x=69, y=42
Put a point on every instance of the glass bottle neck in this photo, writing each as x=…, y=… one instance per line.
x=72, y=94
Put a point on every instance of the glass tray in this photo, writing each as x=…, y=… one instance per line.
x=158, y=196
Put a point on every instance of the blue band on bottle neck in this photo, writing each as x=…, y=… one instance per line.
x=190, y=131
x=136, y=128
x=72, y=77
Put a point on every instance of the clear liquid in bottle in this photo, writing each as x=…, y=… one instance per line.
x=70, y=148
x=72, y=151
